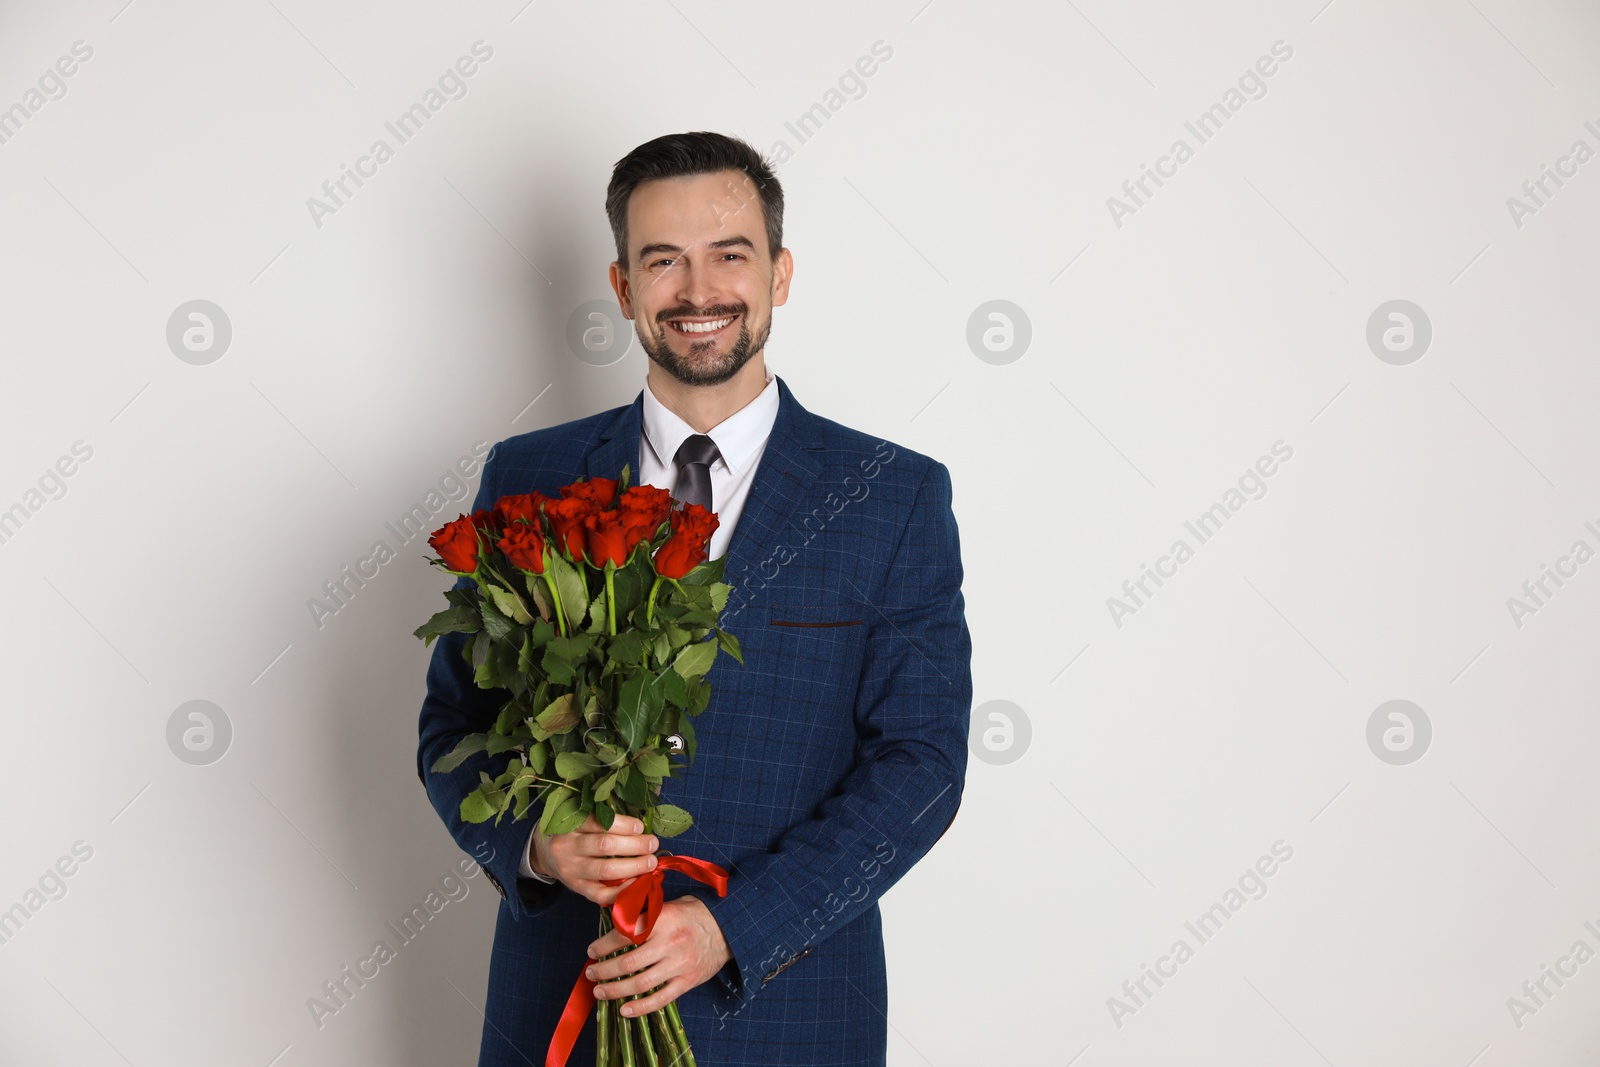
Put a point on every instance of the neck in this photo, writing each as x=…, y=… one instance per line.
x=704, y=406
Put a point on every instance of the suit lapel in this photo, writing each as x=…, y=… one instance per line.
x=789, y=464
x=619, y=445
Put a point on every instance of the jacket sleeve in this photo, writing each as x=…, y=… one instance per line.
x=454, y=707
x=913, y=708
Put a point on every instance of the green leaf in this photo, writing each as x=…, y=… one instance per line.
x=569, y=583
x=591, y=711
x=541, y=596
x=699, y=697
x=653, y=764
x=452, y=620
x=695, y=660
x=502, y=743
x=633, y=788
x=570, y=765
x=495, y=624
x=538, y=756
x=669, y=820
x=730, y=645
x=557, y=717
x=542, y=633
x=628, y=647
x=603, y=813
x=603, y=788
x=557, y=803
x=674, y=689
x=475, y=807
x=597, y=614
x=638, y=704
x=708, y=572
x=469, y=745
x=485, y=670
x=630, y=584
x=568, y=819
x=686, y=729
x=719, y=594
x=510, y=604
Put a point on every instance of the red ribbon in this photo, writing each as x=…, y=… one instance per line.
x=634, y=912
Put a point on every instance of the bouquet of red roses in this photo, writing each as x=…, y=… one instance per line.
x=597, y=613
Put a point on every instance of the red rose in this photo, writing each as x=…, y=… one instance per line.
x=457, y=544
x=643, y=508
x=566, y=522
x=523, y=545
x=690, y=543
x=523, y=506
x=597, y=491
x=484, y=519
x=604, y=536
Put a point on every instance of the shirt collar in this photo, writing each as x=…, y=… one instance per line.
x=737, y=437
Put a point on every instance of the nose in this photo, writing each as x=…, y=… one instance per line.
x=695, y=287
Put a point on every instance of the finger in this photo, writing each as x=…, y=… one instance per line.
x=603, y=869
x=668, y=993
x=616, y=844
x=624, y=963
x=633, y=984
x=621, y=824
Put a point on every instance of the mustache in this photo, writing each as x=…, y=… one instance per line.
x=716, y=311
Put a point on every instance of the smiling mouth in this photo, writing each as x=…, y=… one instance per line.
x=699, y=327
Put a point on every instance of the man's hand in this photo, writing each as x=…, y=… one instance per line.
x=582, y=858
x=685, y=949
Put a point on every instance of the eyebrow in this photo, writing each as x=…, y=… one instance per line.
x=726, y=242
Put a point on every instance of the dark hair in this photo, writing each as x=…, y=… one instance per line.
x=681, y=154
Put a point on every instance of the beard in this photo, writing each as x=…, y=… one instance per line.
x=704, y=365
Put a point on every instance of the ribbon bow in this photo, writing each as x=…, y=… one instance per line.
x=634, y=912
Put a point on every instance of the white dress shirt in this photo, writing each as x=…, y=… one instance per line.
x=740, y=438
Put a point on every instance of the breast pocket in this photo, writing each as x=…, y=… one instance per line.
x=830, y=617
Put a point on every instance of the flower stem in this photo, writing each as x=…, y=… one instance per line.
x=555, y=595
x=605, y=1026
x=650, y=611
x=675, y=1023
x=666, y=1044
x=642, y=1031
x=611, y=599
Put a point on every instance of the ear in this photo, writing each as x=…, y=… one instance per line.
x=782, y=271
x=619, y=283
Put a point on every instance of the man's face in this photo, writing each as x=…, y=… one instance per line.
x=699, y=283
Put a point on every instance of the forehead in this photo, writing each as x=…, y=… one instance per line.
x=695, y=209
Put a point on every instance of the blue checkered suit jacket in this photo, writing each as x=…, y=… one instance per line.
x=827, y=765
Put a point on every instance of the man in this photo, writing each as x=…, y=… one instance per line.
x=827, y=764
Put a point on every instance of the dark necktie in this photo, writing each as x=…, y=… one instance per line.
x=693, y=461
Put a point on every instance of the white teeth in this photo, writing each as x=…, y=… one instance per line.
x=701, y=327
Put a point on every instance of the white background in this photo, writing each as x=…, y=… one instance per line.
x=1168, y=353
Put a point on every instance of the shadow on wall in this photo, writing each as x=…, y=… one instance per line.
x=375, y=681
